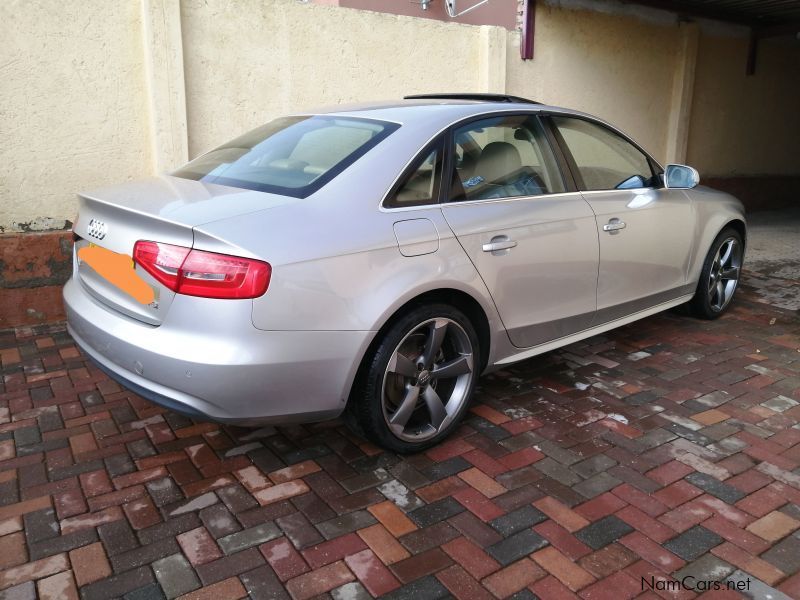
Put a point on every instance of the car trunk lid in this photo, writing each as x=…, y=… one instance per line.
x=163, y=209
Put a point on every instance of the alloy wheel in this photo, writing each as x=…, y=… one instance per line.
x=724, y=274
x=427, y=380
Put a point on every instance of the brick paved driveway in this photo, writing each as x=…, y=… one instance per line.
x=666, y=448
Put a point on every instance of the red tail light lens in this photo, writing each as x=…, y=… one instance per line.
x=221, y=276
x=205, y=274
x=162, y=261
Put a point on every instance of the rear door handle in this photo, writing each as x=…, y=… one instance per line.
x=614, y=225
x=500, y=242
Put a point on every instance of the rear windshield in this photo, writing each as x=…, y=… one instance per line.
x=293, y=156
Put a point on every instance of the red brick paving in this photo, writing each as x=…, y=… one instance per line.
x=681, y=435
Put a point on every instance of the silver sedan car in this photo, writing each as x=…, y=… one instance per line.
x=372, y=261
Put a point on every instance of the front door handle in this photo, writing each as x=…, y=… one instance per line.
x=613, y=226
x=498, y=243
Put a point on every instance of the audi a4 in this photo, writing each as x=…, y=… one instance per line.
x=371, y=261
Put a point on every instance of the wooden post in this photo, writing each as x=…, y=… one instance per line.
x=527, y=29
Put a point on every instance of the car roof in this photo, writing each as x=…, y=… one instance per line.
x=433, y=110
x=434, y=114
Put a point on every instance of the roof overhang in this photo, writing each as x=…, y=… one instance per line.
x=774, y=17
x=765, y=18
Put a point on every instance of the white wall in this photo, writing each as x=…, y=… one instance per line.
x=72, y=105
x=252, y=60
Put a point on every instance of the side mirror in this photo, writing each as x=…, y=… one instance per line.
x=680, y=177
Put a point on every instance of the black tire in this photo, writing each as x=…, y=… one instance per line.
x=369, y=404
x=706, y=304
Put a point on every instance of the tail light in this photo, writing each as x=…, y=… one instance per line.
x=205, y=274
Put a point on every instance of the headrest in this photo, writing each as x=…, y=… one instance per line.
x=497, y=160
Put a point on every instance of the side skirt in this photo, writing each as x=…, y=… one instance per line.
x=586, y=333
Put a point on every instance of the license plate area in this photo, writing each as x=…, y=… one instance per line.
x=104, y=285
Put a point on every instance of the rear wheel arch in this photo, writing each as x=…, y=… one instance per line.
x=456, y=298
x=385, y=402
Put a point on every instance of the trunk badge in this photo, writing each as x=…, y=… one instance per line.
x=97, y=229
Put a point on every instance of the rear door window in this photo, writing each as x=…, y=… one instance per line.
x=293, y=156
x=503, y=157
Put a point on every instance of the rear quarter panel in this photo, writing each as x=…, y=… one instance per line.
x=348, y=275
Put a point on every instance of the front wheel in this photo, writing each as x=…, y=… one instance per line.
x=418, y=382
x=720, y=276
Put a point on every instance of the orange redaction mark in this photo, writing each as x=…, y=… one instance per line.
x=117, y=269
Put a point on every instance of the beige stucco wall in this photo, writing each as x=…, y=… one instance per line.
x=291, y=57
x=744, y=125
x=92, y=92
x=72, y=105
x=614, y=66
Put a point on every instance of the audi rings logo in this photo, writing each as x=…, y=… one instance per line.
x=97, y=229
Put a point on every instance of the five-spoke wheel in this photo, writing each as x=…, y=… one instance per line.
x=428, y=379
x=720, y=275
x=420, y=379
x=724, y=274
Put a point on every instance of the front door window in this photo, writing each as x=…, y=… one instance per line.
x=604, y=159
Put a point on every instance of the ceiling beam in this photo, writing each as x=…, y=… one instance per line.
x=768, y=31
x=758, y=30
x=691, y=10
x=764, y=32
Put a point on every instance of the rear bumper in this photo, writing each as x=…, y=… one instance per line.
x=208, y=361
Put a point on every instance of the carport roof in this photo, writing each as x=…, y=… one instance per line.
x=754, y=13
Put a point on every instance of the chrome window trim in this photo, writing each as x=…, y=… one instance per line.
x=542, y=111
x=617, y=190
x=506, y=199
x=481, y=201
